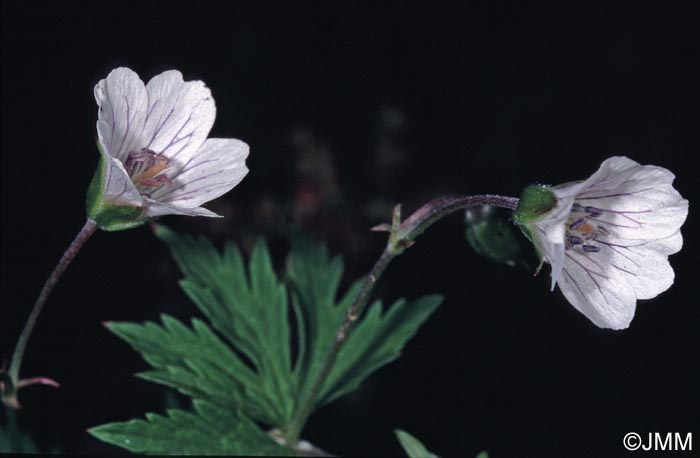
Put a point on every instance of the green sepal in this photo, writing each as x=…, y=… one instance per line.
x=109, y=217
x=535, y=202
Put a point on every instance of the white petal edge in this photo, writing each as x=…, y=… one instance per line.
x=643, y=263
x=638, y=201
x=155, y=209
x=122, y=103
x=179, y=118
x=215, y=169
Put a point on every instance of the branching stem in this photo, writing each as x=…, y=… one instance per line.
x=13, y=372
x=402, y=235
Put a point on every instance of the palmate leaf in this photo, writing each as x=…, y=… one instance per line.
x=249, y=309
x=378, y=339
x=209, y=430
x=197, y=363
x=243, y=363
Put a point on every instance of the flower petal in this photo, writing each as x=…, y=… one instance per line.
x=117, y=186
x=637, y=201
x=643, y=263
x=122, y=102
x=549, y=233
x=180, y=116
x=549, y=240
x=217, y=167
x=155, y=209
x=602, y=294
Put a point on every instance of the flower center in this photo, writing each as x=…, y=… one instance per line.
x=582, y=227
x=147, y=170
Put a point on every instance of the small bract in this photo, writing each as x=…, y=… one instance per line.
x=156, y=158
x=607, y=238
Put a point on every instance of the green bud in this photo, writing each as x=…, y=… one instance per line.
x=535, y=202
x=108, y=214
x=491, y=236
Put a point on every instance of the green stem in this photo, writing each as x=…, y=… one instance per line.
x=341, y=335
x=13, y=431
x=401, y=237
x=85, y=233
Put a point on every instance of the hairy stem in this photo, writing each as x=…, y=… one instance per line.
x=341, y=335
x=85, y=233
x=401, y=236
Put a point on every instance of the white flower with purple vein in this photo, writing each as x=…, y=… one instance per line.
x=608, y=238
x=156, y=157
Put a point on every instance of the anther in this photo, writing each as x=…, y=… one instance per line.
x=590, y=248
x=575, y=240
x=576, y=224
x=594, y=212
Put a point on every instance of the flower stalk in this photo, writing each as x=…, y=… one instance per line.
x=401, y=236
x=9, y=395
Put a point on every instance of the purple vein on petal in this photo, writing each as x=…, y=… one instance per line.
x=589, y=273
x=612, y=195
x=192, y=191
x=186, y=167
x=150, y=111
x=175, y=139
x=158, y=129
x=580, y=291
x=623, y=270
x=608, y=223
x=616, y=249
x=126, y=132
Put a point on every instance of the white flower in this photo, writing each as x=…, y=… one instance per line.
x=156, y=157
x=608, y=238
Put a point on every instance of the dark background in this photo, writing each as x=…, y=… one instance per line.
x=347, y=110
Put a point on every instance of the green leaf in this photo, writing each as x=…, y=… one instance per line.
x=314, y=278
x=249, y=308
x=377, y=340
x=241, y=363
x=412, y=446
x=197, y=363
x=209, y=430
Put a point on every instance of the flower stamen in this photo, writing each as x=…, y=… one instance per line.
x=147, y=169
x=580, y=232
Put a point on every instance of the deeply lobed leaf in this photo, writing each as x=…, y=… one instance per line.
x=209, y=430
x=377, y=340
x=249, y=375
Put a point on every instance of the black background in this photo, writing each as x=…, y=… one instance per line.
x=494, y=98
